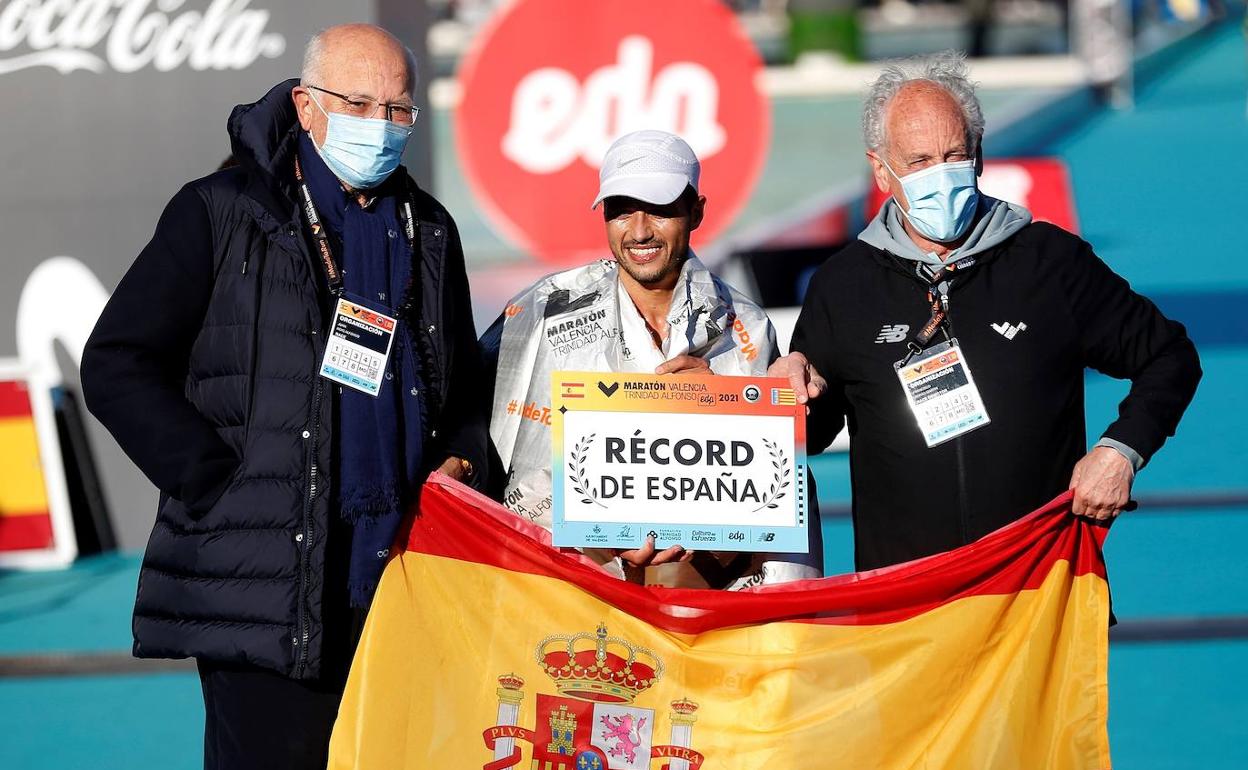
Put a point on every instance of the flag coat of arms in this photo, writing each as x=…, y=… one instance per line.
x=488, y=648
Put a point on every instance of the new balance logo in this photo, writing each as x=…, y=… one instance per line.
x=1008, y=330
x=892, y=333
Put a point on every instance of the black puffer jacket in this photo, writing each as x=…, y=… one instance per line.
x=203, y=366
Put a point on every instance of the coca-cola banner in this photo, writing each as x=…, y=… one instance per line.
x=549, y=84
x=127, y=36
x=109, y=106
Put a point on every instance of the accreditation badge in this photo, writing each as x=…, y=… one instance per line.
x=942, y=393
x=358, y=347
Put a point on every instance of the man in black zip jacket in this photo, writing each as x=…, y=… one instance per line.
x=247, y=366
x=995, y=318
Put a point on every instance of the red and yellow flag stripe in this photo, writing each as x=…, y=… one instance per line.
x=487, y=647
x=25, y=522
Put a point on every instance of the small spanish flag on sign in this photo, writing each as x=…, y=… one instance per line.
x=992, y=655
x=783, y=397
x=573, y=389
x=25, y=520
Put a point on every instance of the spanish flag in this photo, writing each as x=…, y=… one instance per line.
x=486, y=647
x=25, y=520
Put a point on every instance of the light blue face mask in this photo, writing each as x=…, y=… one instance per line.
x=361, y=152
x=942, y=199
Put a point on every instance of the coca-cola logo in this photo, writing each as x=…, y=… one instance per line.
x=549, y=85
x=130, y=35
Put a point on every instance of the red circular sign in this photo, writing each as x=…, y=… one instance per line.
x=551, y=83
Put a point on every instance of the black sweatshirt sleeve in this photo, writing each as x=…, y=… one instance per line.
x=466, y=410
x=1124, y=335
x=491, y=344
x=134, y=366
x=812, y=337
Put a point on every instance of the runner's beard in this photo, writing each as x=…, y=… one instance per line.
x=652, y=273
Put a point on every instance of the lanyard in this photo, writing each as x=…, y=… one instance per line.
x=332, y=274
x=934, y=324
x=938, y=300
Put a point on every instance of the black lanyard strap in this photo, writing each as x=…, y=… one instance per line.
x=409, y=221
x=938, y=284
x=332, y=274
x=924, y=335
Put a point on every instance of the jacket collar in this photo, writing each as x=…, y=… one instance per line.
x=996, y=222
x=264, y=136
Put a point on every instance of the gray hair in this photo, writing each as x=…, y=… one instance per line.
x=947, y=70
x=314, y=56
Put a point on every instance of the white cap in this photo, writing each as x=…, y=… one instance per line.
x=650, y=166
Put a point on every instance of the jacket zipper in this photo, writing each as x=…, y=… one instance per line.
x=963, y=509
x=430, y=321
x=964, y=515
x=305, y=531
x=255, y=346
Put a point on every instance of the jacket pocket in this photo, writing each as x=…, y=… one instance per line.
x=198, y=509
x=253, y=271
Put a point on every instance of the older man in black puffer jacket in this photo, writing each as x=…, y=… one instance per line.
x=282, y=478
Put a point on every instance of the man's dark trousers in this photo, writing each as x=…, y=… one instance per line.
x=259, y=719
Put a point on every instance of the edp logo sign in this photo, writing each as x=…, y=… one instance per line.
x=555, y=119
x=550, y=84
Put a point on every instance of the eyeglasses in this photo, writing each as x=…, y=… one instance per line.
x=366, y=107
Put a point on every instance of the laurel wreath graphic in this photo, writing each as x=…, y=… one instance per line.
x=576, y=465
x=779, y=478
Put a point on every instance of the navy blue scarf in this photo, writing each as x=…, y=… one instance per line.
x=379, y=439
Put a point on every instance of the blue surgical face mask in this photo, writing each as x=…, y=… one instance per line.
x=942, y=199
x=361, y=151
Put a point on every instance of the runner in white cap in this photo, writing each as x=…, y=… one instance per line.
x=654, y=308
x=650, y=166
